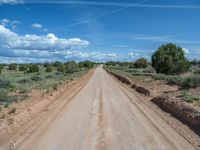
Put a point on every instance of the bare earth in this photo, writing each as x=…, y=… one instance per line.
x=99, y=115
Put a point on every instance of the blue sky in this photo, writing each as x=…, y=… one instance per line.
x=49, y=30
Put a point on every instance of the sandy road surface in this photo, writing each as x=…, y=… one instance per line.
x=104, y=115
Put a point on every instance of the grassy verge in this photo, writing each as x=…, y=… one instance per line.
x=16, y=85
x=192, y=81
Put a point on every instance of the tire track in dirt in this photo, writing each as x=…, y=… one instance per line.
x=101, y=144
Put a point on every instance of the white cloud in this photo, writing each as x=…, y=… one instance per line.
x=37, y=26
x=186, y=51
x=9, y=23
x=12, y=40
x=34, y=48
x=131, y=54
x=11, y=1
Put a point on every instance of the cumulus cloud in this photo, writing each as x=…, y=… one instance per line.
x=9, y=23
x=35, y=48
x=12, y=40
x=11, y=1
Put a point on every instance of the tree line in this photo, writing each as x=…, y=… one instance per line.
x=63, y=67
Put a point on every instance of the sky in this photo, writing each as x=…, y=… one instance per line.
x=96, y=30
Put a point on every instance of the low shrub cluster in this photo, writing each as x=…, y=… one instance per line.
x=86, y=64
x=33, y=68
x=184, y=82
x=1, y=68
x=23, y=67
x=141, y=63
x=12, y=66
x=185, y=96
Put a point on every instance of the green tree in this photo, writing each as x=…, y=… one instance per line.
x=141, y=63
x=48, y=69
x=71, y=66
x=33, y=68
x=1, y=68
x=23, y=67
x=12, y=66
x=57, y=63
x=46, y=64
x=86, y=64
x=170, y=59
x=61, y=68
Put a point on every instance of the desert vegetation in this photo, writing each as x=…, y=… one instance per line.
x=169, y=65
x=18, y=80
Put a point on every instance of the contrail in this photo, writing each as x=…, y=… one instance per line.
x=111, y=12
x=114, y=4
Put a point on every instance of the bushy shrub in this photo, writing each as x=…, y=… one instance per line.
x=61, y=68
x=149, y=70
x=170, y=59
x=185, y=96
x=57, y=64
x=24, y=90
x=12, y=66
x=33, y=68
x=49, y=76
x=4, y=97
x=23, y=67
x=48, y=69
x=111, y=63
x=197, y=72
x=23, y=80
x=141, y=63
x=55, y=86
x=5, y=83
x=184, y=82
x=86, y=64
x=1, y=68
x=12, y=110
x=71, y=66
x=46, y=64
x=191, y=82
x=36, y=78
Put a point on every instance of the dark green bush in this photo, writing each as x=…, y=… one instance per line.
x=5, y=83
x=33, y=68
x=71, y=66
x=61, y=68
x=49, y=76
x=57, y=64
x=1, y=68
x=12, y=66
x=48, y=69
x=46, y=64
x=4, y=97
x=170, y=59
x=86, y=64
x=184, y=82
x=141, y=63
x=36, y=78
x=23, y=80
x=23, y=67
x=191, y=82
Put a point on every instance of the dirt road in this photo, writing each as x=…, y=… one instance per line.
x=104, y=115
